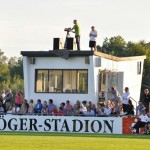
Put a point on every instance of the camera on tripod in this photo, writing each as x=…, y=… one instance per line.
x=67, y=29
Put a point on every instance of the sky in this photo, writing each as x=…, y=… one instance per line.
x=31, y=25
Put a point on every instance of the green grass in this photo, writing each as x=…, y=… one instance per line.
x=66, y=141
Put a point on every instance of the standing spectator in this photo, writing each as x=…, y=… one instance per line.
x=69, y=108
x=76, y=27
x=18, y=99
x=130, y=108
x=1, y=108
x=38, y=107
x=8, y=100
x=146, y=100
x=125, y=98
x=115, y=94
x=51, y=106
x=2, y=96
x=93, y=35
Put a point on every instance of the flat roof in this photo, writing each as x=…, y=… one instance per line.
x=75, y=53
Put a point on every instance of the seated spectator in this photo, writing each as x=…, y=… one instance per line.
x=51, y=106
x=116, y=108
x=110, y=103
x=23, y=109
x=141, y=123
x=38, y=107
x=54, y=111
x=44, y=110
x=76, y=108
x=147, y=126
x=62, y=105
x=140, y=108
x=31, y=107
x=68, y=108
x=15, y=110
x=26, y=103
x=83, y=108
x=1, y=109
x=130, y=108
x=107, y=110
x=60, y=112
x=89, y=112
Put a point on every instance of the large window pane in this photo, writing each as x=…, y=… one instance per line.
x=42, y=81
x=69, y=81
x=55, y=81
x=82, y=84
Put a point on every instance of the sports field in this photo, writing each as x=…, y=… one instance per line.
x=64, y=141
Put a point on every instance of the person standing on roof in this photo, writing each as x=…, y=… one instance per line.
x=76, y=29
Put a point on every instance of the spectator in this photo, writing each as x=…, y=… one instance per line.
x=76, y=28
x=68, y=108
x=130, y=108
x=8, y=100
x=18, y=99
x=26, y=103
x=116, y=108
x=89, y=112
x=107, y=110
x=1, y=108
x=51, y=106
x=45, y=108
x=141, y=123
x=140, y=108
x=92, y=42
x=38, y=107
x=115, y=94
x=147, y=126
x=60, y=112
x=146, y=100
x=31, y=106
x=2, y=97
x=76, y=108
x=23, y=109
x=125, y=98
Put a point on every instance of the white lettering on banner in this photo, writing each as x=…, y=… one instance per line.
x=61, y=124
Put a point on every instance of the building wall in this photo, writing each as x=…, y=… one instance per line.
x=125, y=75
x=57, y=63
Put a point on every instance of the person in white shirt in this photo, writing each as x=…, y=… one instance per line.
x=93, y=35
x=143, y=121
x=125, y=98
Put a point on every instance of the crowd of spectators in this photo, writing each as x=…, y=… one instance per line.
x=118, y=105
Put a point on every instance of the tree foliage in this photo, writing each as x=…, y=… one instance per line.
x=11, y=73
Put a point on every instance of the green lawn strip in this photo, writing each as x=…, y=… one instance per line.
x=74, y=135
x=14, y=142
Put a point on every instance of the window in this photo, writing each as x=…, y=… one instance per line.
x=61, y=81
x=42, y=81
x=139, y=65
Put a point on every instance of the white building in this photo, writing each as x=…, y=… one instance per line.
x=84, y=75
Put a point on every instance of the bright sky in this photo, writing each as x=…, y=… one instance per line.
x=30, y=25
